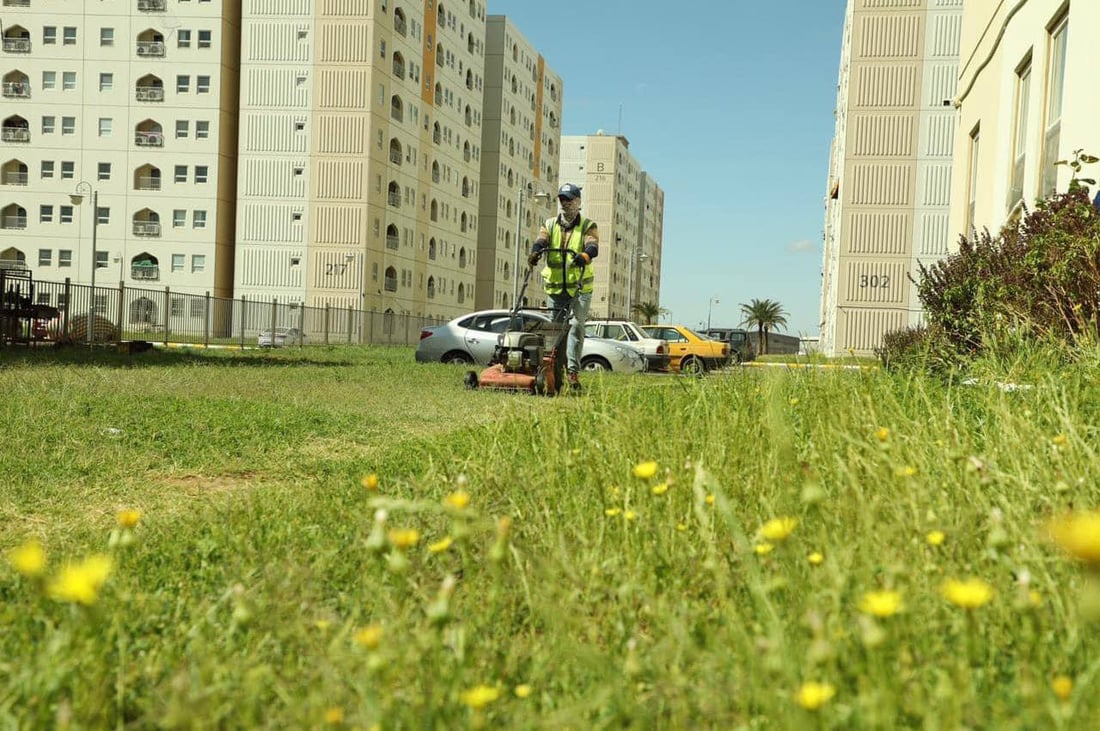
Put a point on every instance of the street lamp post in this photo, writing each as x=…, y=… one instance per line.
x=362, y=306
x=634, y=255
x=539, y=196
x=711, y=304
x=84, y=188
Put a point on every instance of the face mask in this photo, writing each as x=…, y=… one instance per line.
x=570, y=209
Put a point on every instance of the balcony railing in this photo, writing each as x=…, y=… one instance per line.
x=17, y=3
x=153, y=6
x=15, y=221
x=391, y=284
x=150, y=93
x=17, y=45
x=146, y=228
x=16, y=134
x=148, y=139
x=148, y=182
x=14, y=178
x=394, y=199
x=17, y=89
x=393, y=242
x=150, y=48
x=148, y=273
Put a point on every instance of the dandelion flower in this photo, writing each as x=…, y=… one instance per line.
x=777, y=529
x=79, y=583
x=1078, y=535
x=334, y=716
x=645, y=470
x=935, y=538
x=479, y=697
x=1062, y=686
x=440, y=546
x=813, y=695
x=522, y=691
x=458, y=500
x=969, y=594
x=28, y=559
x=369, y=637
x=660, y=489
x=816, y=558
x=794, y=402
x=403, y=538
x=763, y=549
x=1034, y=598
x=881, y=604
x=882, y=434
x=1059, y=440
x=681, y=527
x=322, y=624
x=906, y=471
x=370, y=482
x=128, y=518
x=630, y=515
x=612, y=512
x=710, y=500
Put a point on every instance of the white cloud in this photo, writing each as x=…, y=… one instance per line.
x=802, y=246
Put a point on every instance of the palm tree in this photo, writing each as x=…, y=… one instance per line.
x=649, y=311
x=765, y=316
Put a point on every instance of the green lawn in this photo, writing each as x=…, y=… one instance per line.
x=265, y=586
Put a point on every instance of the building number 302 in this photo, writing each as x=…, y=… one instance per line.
x=876, y=281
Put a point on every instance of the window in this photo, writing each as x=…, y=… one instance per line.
x=49, y=123
x=180, y=175
x=183, y=128
x=183, y=84
x=202, y=130
x=66, y=214
x=45, y=257
x=67, y=167
x=49, y=80
x=68, y=35
x=1019, y=147
x=183, y=38
x=106, y=36
x=68, y=125
x=47, y=168
x=49, y=35
x=45, y=214
x=106, y=82
x=198, y=262
x=105, y=126
x=204, y=39
x=202, y=84
x=68, y=80
x=202, y=172
x=64, y=259
x=178, y=262
x=198, y=307
x=972, y=193
x=1053, y=133
x=198, y=219
x=104, y=171
x=175, y=307
x=102, y=218
x=101, y=262
x=179, y=218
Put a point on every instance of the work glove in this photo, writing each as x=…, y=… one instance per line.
x=533, y=258
x=580, y=259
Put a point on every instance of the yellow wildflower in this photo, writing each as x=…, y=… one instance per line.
x=80, y=582
x=403, y=538
x=612, y=512
x=322, y=624
x=906, y=471
x=1078, y=534
x=882, y=434
x=816, y=558
x=681, y=527
x=763, y=549
x=660, y=489
x=777, y=529
x=881, y=604
x=969, y=594
x=334, y=716
x=458, y=500
x=813, y=695
x=630, y=515
x=1062, y=686
x=1059, y=440
x=441, y=546
x=522, y=691
x=479, y=697
x=645, y=470
x=28, y=559
x=370, y=482
x=794, y=402
x=128, y=518
x=935, y=538
x=710, y=500
x=1034, y=598
x=369, y=637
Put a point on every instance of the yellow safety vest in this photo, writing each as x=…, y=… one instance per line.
x=552, y=274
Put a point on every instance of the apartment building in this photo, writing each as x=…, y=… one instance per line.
x=119, y=126
x=889, y=187
x=519, y=163
x=1024, y=103
x=360, y=154
x=628, y=207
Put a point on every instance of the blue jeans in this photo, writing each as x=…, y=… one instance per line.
x=558, y=304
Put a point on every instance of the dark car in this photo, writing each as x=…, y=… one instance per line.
x=741, y=349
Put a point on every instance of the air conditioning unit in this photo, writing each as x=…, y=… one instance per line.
x=143, y=50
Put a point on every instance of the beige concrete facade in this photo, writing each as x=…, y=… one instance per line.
x=628, y=207
x=1025, y=101
x=888, y=194
x=519, y=159
x=137, y=99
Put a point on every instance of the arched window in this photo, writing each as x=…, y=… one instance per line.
x=147, y=177
x=462, y=251
x=395, y=151
x=466, y=151
x=462, y=221
x=397, y=108
x=470, y=43
x=439, y=54
x=398, y=65
x=461, y=293
x=393, y=237
x=465, y=187
x=437, y=133
x=393, y=192
x=399, y=23
x=391, y=279
x=470, y=80
x=14, y=216
x=14, y=173
x=431, y=287
x=435, y=171
x=431, y=249
x=438, y=94
x=434, y=211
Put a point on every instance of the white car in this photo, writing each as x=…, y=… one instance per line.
x=656, y=351
x=283, y=336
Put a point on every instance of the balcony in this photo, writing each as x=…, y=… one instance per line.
x=152, y=6
x=146, y=228
x=14, y=178
x=393, y=242
x=17, y=45
x=17, y=3
x=147, y=182
x=15, y=222
x=150, y=93
x=148, y=139
x=148, y=272
x=17, y=90
x=16, y=134
x=150, y=48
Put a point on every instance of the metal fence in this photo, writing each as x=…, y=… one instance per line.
x=41, y=311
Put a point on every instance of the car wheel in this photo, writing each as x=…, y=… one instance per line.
x=456, y=357
x=470, y=380
x=595, y=363
x=692, y=367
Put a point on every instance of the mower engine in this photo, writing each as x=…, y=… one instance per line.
x=518, y=352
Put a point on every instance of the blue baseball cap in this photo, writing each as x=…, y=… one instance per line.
x=569, y=192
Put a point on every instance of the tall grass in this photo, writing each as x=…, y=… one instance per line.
x=572, y=593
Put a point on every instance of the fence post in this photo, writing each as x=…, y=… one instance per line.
x=206, y=320
x=274, y=315
x=121, y=304
x=350, y=313
x=326, y=322
x=301, y=325
x=244, y=314
x=167, y=314
x=68, y=306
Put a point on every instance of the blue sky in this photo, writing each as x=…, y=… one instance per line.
x=728, y=104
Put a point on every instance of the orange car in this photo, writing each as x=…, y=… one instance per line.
x=690, y=352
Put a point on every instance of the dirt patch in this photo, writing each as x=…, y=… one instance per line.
x=206, y=485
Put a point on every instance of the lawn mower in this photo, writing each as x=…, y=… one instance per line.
x=528, y=360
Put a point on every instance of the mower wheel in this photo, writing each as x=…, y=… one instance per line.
x=470, y=380
x=540, y=382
